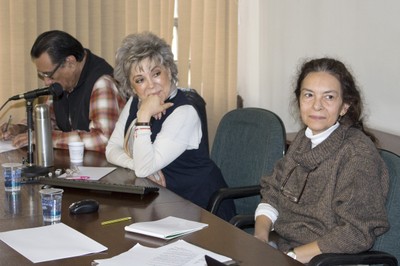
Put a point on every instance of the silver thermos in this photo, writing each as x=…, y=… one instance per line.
x=43, y=136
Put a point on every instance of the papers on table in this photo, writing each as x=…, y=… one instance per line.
x=50, y=242
x=167, y=228
x=90, y=173
x=60, y=241
x=6, y=145
x=179, y=253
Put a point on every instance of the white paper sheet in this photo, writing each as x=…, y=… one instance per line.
x=94, y=173
x=179, y=253
x=6, y=145
x=50, y=242
x=166, y=228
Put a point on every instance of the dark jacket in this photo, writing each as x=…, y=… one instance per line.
x=72, y=109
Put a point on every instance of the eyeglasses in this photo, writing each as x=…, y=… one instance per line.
x=49, y=75
x=290, y=195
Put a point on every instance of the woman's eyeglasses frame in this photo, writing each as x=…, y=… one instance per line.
x=290, y=195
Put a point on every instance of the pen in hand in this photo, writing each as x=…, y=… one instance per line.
x=8, y=124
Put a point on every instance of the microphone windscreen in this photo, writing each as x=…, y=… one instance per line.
x=56, y=90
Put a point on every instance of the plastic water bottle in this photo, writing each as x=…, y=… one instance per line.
x=43, y=136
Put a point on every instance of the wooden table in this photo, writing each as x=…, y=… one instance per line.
x=23, y=211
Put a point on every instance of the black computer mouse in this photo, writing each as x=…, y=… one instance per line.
x=84, y=206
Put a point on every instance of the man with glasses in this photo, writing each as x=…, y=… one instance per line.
x=90, y=104
x=49, y=75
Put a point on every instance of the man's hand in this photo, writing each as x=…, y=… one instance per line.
x=8, y=132
x=21, y=140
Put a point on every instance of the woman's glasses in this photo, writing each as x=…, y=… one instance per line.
x=294, y=197
x=49, y=75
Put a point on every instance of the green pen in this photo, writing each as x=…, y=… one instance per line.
x=116, y=220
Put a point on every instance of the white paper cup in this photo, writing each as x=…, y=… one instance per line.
x=76, y=150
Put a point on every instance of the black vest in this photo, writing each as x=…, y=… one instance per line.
x=72, y=109
x=193, y=175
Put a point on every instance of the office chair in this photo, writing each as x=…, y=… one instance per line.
x=247, y=144
x=386, y=249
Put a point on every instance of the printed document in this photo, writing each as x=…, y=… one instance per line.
x=89, y=172
x=167, y=228
x=179, y=253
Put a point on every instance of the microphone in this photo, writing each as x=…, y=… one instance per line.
x=55, y=90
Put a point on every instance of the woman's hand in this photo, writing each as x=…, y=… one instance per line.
x=152, y=106
x=306, y=252
x=262, y=228
x=158, y=178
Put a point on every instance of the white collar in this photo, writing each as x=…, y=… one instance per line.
x=173, y=93
x=318, y=138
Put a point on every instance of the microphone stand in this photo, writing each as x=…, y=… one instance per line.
x=29, y=116
x=55, y=90
x=31, y=170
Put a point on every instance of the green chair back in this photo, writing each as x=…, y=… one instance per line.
x=389, y=242
x=247, y=144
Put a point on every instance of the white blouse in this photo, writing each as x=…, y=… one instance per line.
x=180, y=131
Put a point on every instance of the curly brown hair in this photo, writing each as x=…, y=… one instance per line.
x=349, y=89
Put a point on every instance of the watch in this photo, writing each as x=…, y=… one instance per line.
x=291, y=254
x=142, y=124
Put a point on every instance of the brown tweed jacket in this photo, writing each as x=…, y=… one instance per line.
x=342, y=206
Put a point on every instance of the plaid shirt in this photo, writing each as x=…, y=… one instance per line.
x=105, y=107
